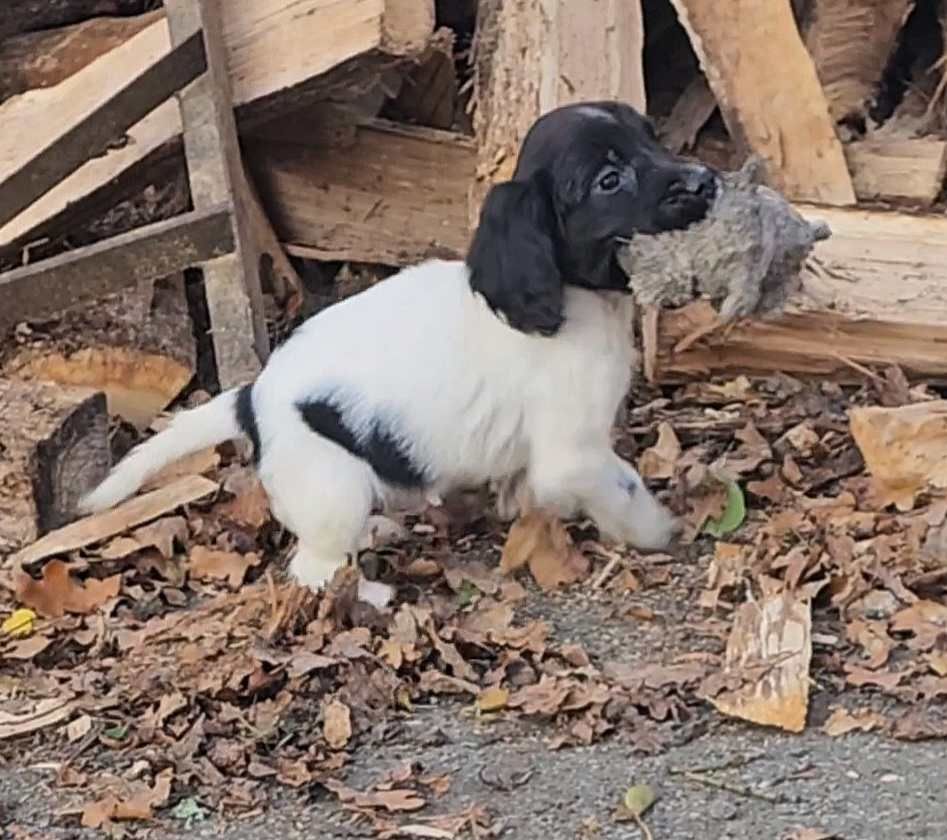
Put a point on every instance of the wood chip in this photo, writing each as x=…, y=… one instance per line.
x=127, y=515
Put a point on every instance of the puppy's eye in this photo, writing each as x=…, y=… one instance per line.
x=609, y=181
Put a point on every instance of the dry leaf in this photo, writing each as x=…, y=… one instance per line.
x=905, y=449
x=250, y=505
x=136, y=803
x=47, y=712
x=162, y=535
x=660, y=460
x=389, y=800
x=58, y=592
x=337, y=724
x=78, y=728
x=541, y=542
x=206, y=563
x=20, y=623
x=841, y=722
x=769, y=650
x=493, y=699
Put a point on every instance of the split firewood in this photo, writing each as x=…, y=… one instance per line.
x=136, y=347
x=54, y=446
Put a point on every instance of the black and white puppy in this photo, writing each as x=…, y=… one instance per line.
x=508, y=367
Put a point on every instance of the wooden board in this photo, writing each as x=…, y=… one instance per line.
x=900, y=170
x=272, y=47
x=55, y=448
x=534, y=55
x=782, y=116
x=43, y=59
x=878, y=297
x=215, y=171
x=31, y=15
x=151, y=251
x=108, y=119
x=391, y=194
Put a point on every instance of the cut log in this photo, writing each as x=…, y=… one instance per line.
x=279, y=55
x=899, y=170
x=534, y=55
x=43, y=59
x=55, y=448
x=137, y=347
x=782, y=116
x=391, y=194
x=851, y=43
x=32, y=15
x=877, y=297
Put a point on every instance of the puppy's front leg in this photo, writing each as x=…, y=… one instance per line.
x=610, y=491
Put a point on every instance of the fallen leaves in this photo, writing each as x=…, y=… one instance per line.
x=841, y=722
x=336, y=724
x=231, y=566
x=768, y=656
x=130, y=801
x=540, y=541
x=905, y=449
x=57, y=592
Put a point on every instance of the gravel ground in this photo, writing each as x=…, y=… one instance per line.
x=854, y=788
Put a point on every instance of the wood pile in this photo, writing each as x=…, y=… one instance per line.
x=312, y=146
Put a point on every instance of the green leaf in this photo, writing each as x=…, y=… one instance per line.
x=733, y=514
x=467, y=594
x=638, y=799
x=117, y=733
x=188, y=810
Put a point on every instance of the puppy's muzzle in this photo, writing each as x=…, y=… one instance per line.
x=688, y=196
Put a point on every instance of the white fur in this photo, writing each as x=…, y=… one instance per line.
x=473, y=400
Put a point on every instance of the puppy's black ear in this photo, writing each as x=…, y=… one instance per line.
x=512, y=258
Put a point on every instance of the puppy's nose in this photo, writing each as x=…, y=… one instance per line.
x=699, y=181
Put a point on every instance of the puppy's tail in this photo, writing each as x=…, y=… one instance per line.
x=190, y=431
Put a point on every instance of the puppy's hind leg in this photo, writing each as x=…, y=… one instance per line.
x=324, y=495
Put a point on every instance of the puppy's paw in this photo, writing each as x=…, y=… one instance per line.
x=653, y=527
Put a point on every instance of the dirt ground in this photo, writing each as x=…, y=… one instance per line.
x=171, y=685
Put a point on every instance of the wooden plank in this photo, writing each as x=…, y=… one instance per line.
x=878, y=297
x=908, y=170
x=274, y=50
x=43, y=59
x=534, y=55
x=392, y=194
x=135, y=511
x=55, y=449
x=215, y=171
x=782, y=116
x=31, y=15
x=106, y=122
x=88, y=273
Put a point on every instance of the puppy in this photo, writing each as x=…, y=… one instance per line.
x=506, y=368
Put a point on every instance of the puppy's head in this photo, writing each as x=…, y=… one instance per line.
x=588, y=176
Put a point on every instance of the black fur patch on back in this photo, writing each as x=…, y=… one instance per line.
x=246, y=419
x=380, y=448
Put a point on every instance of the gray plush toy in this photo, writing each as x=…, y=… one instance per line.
x=748, y=253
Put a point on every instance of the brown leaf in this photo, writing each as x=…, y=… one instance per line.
x=927, y=620
x=336, y=724
x=47, y=712
x=772, y=488
x=395, y=800
x=210, y=564
x=493, y=699
x=841, y=722
x=544, y=698
x=161, y=535
x=57, y=592
x=250, y=505
x=660, y=460
x=542, y=542
x=873, y=638
x=905, y=449
x=769, y=648
x=136, y=802
x=856, y=676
